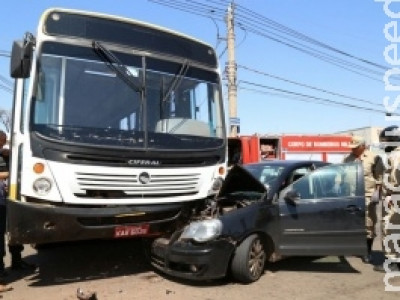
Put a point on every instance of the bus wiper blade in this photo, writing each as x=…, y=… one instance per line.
x=115, y=64
x=177, y=80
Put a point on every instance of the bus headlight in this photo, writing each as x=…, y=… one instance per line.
x=42, y=186
x=203, y=231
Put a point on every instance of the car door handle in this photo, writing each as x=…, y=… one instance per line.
x=352, y=208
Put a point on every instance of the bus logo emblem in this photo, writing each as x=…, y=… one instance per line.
x=144, y=178
x=144, y=162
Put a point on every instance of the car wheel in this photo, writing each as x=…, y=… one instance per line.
x=249, y=260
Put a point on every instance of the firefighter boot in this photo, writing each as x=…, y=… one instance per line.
x=17, y=263
x=367, y=259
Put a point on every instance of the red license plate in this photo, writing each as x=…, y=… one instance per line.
x=128, y=231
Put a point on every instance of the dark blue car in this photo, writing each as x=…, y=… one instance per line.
x=267, y=211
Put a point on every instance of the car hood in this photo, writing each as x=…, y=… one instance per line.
x=239, y=179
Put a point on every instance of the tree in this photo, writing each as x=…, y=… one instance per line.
x=5, y=119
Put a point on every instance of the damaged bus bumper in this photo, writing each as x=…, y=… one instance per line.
x=38, y=223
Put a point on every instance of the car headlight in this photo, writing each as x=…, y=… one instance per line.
x=203, y=231
x=42, y=186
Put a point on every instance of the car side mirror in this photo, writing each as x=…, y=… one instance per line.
x=292, y=196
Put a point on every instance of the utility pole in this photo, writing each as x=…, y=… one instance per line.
x=234, y=121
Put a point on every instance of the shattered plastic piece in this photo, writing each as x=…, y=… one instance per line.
x=5, y=288
x=81, y=295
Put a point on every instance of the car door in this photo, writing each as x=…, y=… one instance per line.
x=292, y=174
x=323, y=213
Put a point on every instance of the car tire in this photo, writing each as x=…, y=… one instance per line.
x=249, y=260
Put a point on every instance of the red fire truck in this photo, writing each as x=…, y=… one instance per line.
x=254, y=148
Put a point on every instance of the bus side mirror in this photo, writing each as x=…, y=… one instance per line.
x=21, y=58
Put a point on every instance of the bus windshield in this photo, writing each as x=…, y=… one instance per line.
x=78, y=98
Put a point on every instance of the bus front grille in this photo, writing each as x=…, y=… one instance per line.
x=134, y=186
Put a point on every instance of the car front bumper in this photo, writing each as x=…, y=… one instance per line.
x=187, y=260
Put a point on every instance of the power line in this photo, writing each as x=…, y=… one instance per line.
x=354, y=68
x=282, y=28
x=6, y=88
x=301, y=98
x=6, y=81
x=260, y=25
x=253, y=25
x=311, y=97
x=193, y=9
x=251, y=16
x=308, y=86
x=280, y=95
x=5, y=53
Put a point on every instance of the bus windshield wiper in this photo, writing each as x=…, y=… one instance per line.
x=116, y=65
x=177, y=80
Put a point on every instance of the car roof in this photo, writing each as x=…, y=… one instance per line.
x=279, y=162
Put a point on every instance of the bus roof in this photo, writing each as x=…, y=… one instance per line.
x=94, y=26
x=119, y=19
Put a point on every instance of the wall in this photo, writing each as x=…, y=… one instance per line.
x=370, y=134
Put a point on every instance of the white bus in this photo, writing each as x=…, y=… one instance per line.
x=117, y=128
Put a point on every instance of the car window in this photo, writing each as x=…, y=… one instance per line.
x=265, y=173
x=298, y=173
x=328, y=182
x=270, y=174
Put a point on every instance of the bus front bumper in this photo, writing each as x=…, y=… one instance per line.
x=31, y=223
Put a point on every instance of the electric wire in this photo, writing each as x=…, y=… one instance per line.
x=6, y=88
x=302, y=36
x=307, y=86
x=355, y=68
x=259, y=25
x=193, y=9
x=4, y=53
x=267, y=28
x=6, y=81
x=281, y=95
x=311, y=97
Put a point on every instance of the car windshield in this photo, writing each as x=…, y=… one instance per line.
x=81, y=99
x=266, y=174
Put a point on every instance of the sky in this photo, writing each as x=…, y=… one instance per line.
x=282, y=89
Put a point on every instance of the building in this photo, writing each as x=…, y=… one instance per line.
x=370, y=134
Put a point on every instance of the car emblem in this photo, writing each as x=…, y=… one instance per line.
x=144, y=178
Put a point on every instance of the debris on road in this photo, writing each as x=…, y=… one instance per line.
x=169, y=292
x=5, y=288
x=86, y=295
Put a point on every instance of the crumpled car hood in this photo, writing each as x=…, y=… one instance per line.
x=239, y=179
